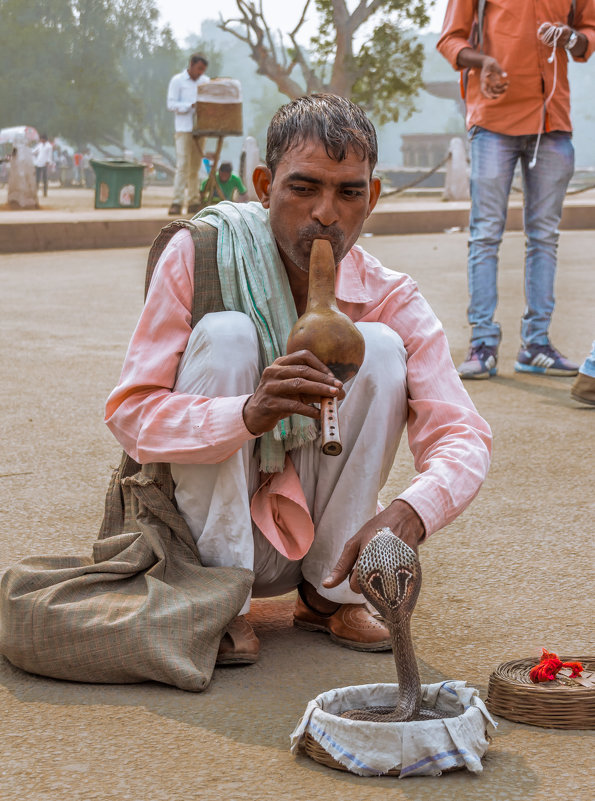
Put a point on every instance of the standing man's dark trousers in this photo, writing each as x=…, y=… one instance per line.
x=41, y=174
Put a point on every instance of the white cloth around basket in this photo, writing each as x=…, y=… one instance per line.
x=417, y=748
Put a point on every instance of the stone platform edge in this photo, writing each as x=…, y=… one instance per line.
x=21, y=236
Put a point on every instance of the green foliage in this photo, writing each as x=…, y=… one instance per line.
x=364, y=49
x=382, y=67
x=84, y=69
x=389, y=66
x=148, y=68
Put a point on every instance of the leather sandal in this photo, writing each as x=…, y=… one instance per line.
x=350, y=625
x=239, y=644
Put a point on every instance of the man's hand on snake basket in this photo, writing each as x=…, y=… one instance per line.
x=399, y=517
x=290, y=385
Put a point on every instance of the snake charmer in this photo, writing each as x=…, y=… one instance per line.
x=237, y=418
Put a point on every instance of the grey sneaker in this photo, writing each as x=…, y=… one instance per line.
x=481, y=362
x=543, y=359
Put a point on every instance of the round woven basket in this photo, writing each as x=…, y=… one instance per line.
x=552, y=704
x=426, y=747
x=316, y=752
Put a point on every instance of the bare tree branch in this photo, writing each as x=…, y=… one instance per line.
x=302, y=20
x=313, y=82
x=341, y=78
x=363, y=12
x=344, y=73
x=266, y=58
x=378, y=81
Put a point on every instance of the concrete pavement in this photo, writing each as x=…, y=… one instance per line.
x=68, y=221
x=507, y=577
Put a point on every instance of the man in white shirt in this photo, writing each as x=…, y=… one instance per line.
x=181, y=99
x=42, y=158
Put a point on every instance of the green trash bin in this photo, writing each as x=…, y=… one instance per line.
x=118, y=184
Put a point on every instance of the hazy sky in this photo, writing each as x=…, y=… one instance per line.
x=186, y=16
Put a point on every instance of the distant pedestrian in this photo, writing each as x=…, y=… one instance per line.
x=88, y=172
x=518, y=109
x=181, y=99
x=65, y=165
x=583, y=386
x=227, y=183
x=78, y=168
x=42, y=159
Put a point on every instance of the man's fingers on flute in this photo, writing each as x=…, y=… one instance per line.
x=311, y=389
x=308, y=372
x=306, y=357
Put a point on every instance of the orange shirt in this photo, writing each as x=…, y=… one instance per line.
x=510, y=36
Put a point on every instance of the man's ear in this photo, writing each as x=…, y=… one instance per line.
x=375, y=187
x=262, y=180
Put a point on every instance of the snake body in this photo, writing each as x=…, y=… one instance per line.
x=389, y=574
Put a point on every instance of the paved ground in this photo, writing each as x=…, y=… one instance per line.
x=67, y=219
x=509, y=576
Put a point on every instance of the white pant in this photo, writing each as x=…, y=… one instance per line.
x=221, y=359
x=189, y=153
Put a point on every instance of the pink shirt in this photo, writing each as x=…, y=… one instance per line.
x=449, y=440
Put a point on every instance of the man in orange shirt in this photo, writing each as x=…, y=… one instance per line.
x=518, y=108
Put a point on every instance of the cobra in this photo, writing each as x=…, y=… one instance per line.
x=389, y=574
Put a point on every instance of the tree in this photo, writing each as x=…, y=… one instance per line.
x=85, y=69
x=368, y=54
x=148, y=64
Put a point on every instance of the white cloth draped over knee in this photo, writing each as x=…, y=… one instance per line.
x=341, y=492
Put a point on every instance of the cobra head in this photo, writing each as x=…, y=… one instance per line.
x=389, y=574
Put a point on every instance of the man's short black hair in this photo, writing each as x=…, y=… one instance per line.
x=333, y=120
x=225, y=166
x=196, y=57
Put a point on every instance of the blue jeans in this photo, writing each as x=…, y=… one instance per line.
x=493, y=160
x=588, y=366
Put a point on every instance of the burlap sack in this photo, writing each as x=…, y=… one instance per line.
x=142, y=606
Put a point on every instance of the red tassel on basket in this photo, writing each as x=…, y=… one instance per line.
x=548, y=668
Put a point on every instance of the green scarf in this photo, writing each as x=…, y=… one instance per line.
x=254, y=281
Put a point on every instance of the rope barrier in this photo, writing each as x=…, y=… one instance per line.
x=519, y=189
x=582, y=189
x=417, y=181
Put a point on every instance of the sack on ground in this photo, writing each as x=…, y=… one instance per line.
x=142, y=607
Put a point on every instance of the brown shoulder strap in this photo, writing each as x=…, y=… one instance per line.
x=207, y=289
x=120, y=508
x=207, y=286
